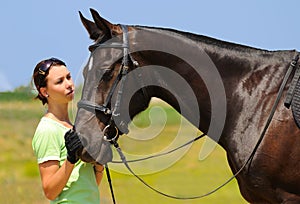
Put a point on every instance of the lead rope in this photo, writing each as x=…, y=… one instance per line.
x=162, y=154
x=123, y=158
x=110, y=183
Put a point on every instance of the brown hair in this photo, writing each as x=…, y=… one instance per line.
x=40, y=74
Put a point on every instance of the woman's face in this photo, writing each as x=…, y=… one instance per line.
x=60, y=86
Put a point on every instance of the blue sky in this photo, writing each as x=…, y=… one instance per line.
x=32, y=30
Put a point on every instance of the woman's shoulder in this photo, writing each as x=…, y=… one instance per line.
x=48, y=123
x=48, y=127
x=48, y=140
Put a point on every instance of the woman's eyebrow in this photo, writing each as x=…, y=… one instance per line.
x=63, y=75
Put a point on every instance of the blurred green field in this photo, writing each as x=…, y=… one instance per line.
x=189, y=176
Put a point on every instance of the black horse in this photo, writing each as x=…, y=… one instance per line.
x=227, y=90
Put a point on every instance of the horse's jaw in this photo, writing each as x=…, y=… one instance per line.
x=96, y=149
x=86, y=157
x=100, y=154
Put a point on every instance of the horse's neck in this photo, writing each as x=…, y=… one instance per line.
x=251, y=80
x=250, y=76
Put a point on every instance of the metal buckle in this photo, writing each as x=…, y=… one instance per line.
x=106, y=137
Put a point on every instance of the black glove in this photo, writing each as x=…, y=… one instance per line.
x=73, y=145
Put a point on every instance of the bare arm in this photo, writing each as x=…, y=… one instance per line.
x=54, y=178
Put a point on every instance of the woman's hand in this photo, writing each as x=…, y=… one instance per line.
x=73, y=145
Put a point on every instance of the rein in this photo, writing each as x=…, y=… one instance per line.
x=248, y=161
x=89, y=106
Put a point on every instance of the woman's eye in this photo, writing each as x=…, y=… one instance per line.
x=59, y=81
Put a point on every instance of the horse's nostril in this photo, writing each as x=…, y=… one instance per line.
x=85, y=156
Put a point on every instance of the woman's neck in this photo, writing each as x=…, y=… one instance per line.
x=59, y=113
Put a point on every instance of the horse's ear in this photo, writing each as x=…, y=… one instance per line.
x=91, y=27
x=102, y=24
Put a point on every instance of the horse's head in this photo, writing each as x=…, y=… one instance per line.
x=104, y=111
x=116, y=88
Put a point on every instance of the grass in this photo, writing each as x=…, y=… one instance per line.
x=184, y=176
x=19, y=176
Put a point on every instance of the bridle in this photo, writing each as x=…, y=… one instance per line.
x=120, y=79
x=105, y=109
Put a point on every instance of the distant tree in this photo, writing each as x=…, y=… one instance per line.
x=21, y=93
x=23, y=89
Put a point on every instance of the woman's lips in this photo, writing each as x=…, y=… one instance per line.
x=70, y=92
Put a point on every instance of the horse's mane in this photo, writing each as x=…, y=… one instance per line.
x=208, y=40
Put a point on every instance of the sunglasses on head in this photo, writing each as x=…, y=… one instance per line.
x=48, y=63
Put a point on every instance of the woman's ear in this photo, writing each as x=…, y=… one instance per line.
x=43, y=91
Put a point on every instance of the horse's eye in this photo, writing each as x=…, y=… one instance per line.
x=108, y=74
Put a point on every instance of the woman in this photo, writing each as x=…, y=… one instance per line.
x=65, y=178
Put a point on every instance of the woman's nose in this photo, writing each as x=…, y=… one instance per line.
x=70, y=83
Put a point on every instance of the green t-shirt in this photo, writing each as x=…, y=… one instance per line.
x=48, y=144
